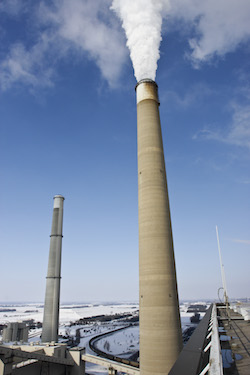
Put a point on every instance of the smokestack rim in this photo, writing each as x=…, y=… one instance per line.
x=146, y=80
x=58, y=196
x=146, y=88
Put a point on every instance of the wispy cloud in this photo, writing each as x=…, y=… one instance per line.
x=244, y=182
x=13, y=7
x=218, y=27
x=238, y=131
x=90, y=30
x=76, y=30
x=245, y=242
x=195, y=93
x=27, y=66
x=89, y=27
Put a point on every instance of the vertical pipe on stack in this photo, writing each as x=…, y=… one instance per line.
x=52, y=295
x=160, y=327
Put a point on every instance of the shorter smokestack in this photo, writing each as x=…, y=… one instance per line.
x=52, y=296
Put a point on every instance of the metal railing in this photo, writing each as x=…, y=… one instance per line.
x=215, y=359
x=202, y=353
x=200, y=356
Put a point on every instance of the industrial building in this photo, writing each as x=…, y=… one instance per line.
x=16, y=332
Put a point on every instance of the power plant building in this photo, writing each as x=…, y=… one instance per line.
x=17, y=331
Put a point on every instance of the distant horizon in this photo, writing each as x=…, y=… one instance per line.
x=117, y=302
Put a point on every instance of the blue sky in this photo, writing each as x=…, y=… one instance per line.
x=68, y=126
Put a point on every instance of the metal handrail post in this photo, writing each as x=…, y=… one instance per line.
x=215, y=359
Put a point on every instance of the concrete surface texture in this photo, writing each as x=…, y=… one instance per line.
x=52, y=296
x=41, y=359
x=15, y=332
x=160, y=327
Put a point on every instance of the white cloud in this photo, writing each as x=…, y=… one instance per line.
x=245, y=242
x=219, y=25
x=238, y=131
x=26, y=66
x=66, y=29
x=91, y=30
x=89, y=27
x=195, y=93
x=13, y=7
x=244, y=181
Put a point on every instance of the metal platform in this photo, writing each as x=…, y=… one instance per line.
x=237, y=343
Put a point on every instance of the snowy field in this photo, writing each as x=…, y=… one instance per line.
x=68, y=313
x=122, y=343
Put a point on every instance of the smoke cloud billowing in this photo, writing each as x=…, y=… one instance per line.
x=47, y=32
x=142, y=21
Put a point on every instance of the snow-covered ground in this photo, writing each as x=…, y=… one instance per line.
x=122, y=343
x=71, y=312
x=68, y=313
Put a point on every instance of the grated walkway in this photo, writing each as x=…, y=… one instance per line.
x=237, y=343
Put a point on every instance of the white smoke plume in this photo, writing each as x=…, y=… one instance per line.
x=142, y=21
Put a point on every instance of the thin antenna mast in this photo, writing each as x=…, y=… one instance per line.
x=223, y=280
x=222, y=269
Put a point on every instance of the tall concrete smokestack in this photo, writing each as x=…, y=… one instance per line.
x=160, y=327
x=52, y=296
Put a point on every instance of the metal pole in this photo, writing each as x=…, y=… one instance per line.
x=222, y=267
x=223, y=277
